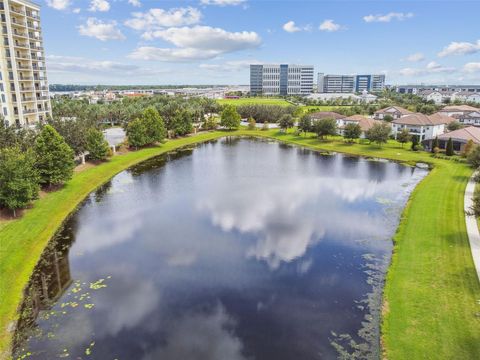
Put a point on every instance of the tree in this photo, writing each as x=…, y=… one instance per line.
x=449, y=150
x=325, y=127
x=18, y=178
x=305, y=124
x=210, y=123
x=230, y=118
x=352, y=131
x=414, y=143
x=388, y=118
x=136, y=133
x=251, y=124
x=469, y=146
x=154, y=125
x=474, y=157
x=378, y=133
x=182, y=124
x=97, y=146
x=404, y=136
x=285, y=122
x=54, y=158
x=454, y=125
x=435, y=145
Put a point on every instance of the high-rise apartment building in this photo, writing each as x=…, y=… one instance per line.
x=281, y=79
x=24, y=98
x=350, y=83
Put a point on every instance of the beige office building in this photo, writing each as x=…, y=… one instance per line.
x=24, y=98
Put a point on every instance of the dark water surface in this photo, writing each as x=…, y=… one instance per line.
x=238, y=249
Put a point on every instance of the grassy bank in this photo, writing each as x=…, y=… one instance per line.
x=431, y=292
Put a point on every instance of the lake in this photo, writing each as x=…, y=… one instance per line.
x=234, y=249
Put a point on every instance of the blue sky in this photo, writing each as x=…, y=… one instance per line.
x=213, y=41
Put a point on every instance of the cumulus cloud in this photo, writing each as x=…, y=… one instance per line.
x=472, y=67
x=291, y=27
x=329, y=25
x=101, y=30
x=160, y=18
x=99, y=5
x=222, y=2
x=387, y=17
x=59, y=4
x=431, y=68
x=460, y=48
x=415, y=57
x=195, y=43
x=135, y=3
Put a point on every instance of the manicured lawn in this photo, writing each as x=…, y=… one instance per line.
x=431, y=295
x=254, y=101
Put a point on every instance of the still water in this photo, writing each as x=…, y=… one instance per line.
x=236, y=249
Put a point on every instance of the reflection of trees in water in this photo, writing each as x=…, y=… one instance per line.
x=103, y=190
x=49, y=281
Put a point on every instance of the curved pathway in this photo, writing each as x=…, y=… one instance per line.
x=471, y=222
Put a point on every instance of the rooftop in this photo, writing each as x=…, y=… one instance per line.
x=465, y=134
x=425, y=120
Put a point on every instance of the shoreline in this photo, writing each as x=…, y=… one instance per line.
x=46, y=221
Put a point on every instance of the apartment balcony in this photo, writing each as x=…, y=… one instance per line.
x=39, y=68
x=25, y=78
x=42, y=97
x=20, y=34
x=21, y=45
x=22, y=57
x=40, y=88
x=17, y=11
x=26, y=89
x=28, y=99
x=23, y=67
x=33, y=16
x=29, y=111
x=18, y=23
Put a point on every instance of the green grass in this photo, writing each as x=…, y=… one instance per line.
x=254, y=101
x=431, y=292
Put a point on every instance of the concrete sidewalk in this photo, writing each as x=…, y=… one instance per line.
x=471, y=222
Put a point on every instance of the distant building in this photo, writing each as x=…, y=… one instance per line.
x=364, y=122
x=283, y=79
x=364, y=97
x=452, y=110
x=467, y=96
x=415, y=89
x=320, y=115
x=349, y=83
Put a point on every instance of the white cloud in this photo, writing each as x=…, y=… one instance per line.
x=76, y=10
x=59, y=4
x=222, y=2
x=160, y=18
x=101, y=30
x=196, y=43
x=99, y=5
x=472, y=67
x=329, y=25
x=431, y=68
x=291, y=27
x=387, y=17
x=135, y=3
x=234, y=65
x=460, y=48
x=415, y=57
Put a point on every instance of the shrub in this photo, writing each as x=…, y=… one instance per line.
x=97, y=146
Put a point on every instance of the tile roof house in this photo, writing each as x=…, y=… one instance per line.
x=459, y=138
x=467, y=96
x=470, y=118
x=364, y=122
x=395, y=112
x=421, y=125
x=458, y=110
x=320, y=115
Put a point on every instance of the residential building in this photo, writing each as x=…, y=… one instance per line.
x=433, y=95
x=23, y=77
x=396, y=112
x=466, y=96
x=423, y=126
x=470, y=118
x=320, y=115
x=452, y=110
x=283, y=79
x=459, y=138
x=364, y=122
x=349, y=83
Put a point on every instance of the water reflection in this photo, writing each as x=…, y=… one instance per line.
x=239, y=249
